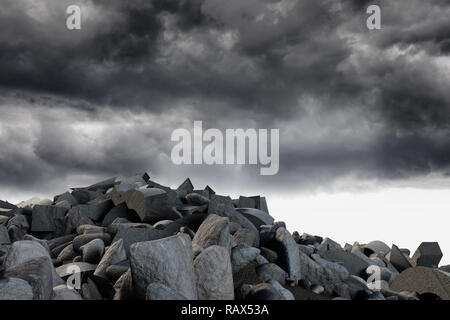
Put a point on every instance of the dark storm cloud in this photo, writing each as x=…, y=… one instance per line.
x=103, y=101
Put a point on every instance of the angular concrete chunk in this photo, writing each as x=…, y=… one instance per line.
x=398, y=259
x=428, y=254
x=43, y=218
x=152, y=204
x=167, y=261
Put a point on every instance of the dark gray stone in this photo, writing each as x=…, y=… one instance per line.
x=235, y=216
x=197, y=199
x=186, y=186
x=270, y=271
x=68, y=253
x=115, y=254
x=152, y=204
x=270, y=255
x=81, y=240
x=263, y=291
x=217, y=200
x=75, y=218
x=55, y=242
x=257, y=217
x=115, y=271
x=124, y=287
x=355, y=264
x=241, y=256
x=43, y=218
x=93, y=251
x=120, y=211
x=428, y=254
x=398, y=259
x=4, y=236
x=80, y=267
x=67, y=196
x=15, y=289
x=131, y=234
x=167, y=261
x=62, y=292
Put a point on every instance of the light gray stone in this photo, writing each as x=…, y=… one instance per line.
x=242, y=256
x=168, y=261
x=62, y=292
x=15, y=289
x=158, y=291
x=213, y=231
x=214, y=274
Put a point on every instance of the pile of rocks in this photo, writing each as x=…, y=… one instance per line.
x=132, y=238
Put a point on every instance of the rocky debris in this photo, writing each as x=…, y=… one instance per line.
x=132, y=238
x=428, y=254
x=168, y=261
x=213, y=273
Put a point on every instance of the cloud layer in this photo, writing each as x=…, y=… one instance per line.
x=353, y=106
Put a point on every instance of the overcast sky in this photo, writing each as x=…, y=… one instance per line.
x=358, y=110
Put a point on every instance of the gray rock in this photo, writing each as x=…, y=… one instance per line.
x=43, y=218
x=38, y=273
x=4, y=219
x=270, y=255
x=15, y=289
x=214, y=275
x=152, y=204
x=88, y=228
x=66, y=197
x=375, y=247
x=168, y=261
x=120, y=211
x=213, y=231
x=244, y=237
x=62, y=292
x=196, y=250
x=263, y=291
x=329, y=245
x=17, y=227
x=398, y=259
x=4, y=236
x=235, y=216
x=197, y=199
x=68, y=253
x=285, y=293
x=261, y=260
x=75, y=218
x=335, y=267
x=81, y=267
x=428, y=254
x=90, y=291
x=317, y=289
x=270, y=271
x=115, y=254
x=115, y=271
x=217, y=200
x=55, y=242
x=63, y=204
x=124, y=287
x=257, y=217
x=308, y=250
x=356, y=265
x=93, y=251
x=158, y=291
x=288, y=253
x=81, y=240
x=242, y=256
x=83, y=196
x=131, y=234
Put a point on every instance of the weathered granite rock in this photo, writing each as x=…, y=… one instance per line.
x=242, y=256
x=288, y=253
x=93, y=251
x=158, y=291
x=214, y=275
x=168, y=261
x=270, y=271
x=428, y=254
x=15, y=289
x=38, y=273
x=423, y=280
x=62, y=292
x=213, y=231
x=115, y=254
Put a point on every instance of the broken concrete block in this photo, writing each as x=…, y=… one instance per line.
x=186, y=186
x=43, y=218
x=423, y=280
x=246, y=202
x=152, y=204
x=67, y=196
x=217, y=200
x=398, y=259
x=428, y=254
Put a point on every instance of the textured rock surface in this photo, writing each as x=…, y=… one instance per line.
x=167, y=261
x=213, y=231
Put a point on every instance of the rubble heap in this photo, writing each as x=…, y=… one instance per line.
x=132, y=238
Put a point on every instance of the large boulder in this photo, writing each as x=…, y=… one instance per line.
x=214, y=276
x=38, y=273
x=241, y=256
x=130, y=234
x=15, y=289
x=214, y=230
x=235, y=216
x=115, y=254
x=44, y=218
x=167, y=261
